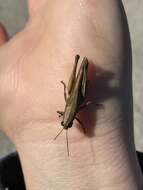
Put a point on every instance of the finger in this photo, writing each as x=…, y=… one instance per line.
x=34, y=5
x=3, y=35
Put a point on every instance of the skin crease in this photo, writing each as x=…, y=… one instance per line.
x=32, y=65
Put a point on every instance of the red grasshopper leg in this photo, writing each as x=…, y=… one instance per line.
x=82, y=125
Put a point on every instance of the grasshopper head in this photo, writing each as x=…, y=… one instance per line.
x=66, y=125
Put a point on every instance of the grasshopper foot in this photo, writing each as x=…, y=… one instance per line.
x=61, y=113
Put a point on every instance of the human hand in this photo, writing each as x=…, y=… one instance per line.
x=32, y=65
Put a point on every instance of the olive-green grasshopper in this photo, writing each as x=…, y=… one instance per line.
x=74, y=95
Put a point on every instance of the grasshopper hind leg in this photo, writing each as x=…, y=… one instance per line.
x=90, y=103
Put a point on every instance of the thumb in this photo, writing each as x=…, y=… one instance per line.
x=3, y=35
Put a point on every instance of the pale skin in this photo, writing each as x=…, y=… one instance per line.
x=32, y=65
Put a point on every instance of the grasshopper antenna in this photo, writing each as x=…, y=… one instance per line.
x=58, y=134
x=67, y=142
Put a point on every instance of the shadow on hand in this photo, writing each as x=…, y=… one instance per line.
x=98, y=90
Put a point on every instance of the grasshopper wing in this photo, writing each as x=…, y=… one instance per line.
x=84, y=77
x=72, y=79
x=79, y=87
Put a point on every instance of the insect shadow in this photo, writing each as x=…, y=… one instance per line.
x=99, y=90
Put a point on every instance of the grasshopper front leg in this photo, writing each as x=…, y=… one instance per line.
x=65, y=94
x=61, y=113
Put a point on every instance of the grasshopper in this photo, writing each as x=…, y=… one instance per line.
x=74, y=95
